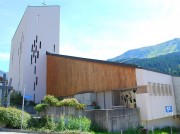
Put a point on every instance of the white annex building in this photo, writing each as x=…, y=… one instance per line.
x=38, y=32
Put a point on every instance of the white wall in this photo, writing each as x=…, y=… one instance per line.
x=176, y=82
x=42, y=22
x=152, y=104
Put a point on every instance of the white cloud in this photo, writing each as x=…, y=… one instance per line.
x=4, y=56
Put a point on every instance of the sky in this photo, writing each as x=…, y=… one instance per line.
x=98, y=29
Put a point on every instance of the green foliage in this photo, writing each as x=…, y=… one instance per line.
x=96, y=128
x=72, y=102
x=82, y=123
x=16, y=98
x=61, y=124
x=48, y=125
x=40, y=107
x=12, y=117
x=51, y=100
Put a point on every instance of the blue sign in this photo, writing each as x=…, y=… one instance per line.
x=168, y=109
x=28, y=97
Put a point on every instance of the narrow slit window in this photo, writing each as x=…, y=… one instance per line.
x=36, y=48
x=34, y=69
x=34, y=86
x=40, y=45
x=34, y=97
x=34, y=43
x=35, y=59
x=36, y=80
x=37, y=54
x=32, y=48
x=31, y=59
x=54, y=48
x=36, y=39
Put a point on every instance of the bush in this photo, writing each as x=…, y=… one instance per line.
x=51, y=100
x=12, y=117
x=82, y=123
x=72, y=102
x=40, y=107
x=16, y=98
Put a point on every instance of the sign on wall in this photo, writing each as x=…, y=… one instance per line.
x=168, y=109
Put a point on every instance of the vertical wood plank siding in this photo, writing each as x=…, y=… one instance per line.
x=68, y=76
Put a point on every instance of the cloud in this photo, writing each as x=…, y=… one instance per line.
x=4, y=56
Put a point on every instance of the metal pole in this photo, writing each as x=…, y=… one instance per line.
x=121, y=131
x=170, y=124
x=22, y=116
x=152, y=130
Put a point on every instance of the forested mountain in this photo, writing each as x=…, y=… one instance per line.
x=170, y=46
x=169, y=63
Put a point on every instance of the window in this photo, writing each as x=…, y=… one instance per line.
x=54, y=48
x=34, y=69
x=35, y=59
x=166, y=89
x=34, y=86
x=34, y=97
x=162, y=89
x=36, y=38
x=36, y=80
x=170, y=90
x=159, y=89
x=40, y=44
x=34, y=43
x=31, y=59
x=154, y=89
x=32, y=48
x=37, y=54
x=36, y=48
x=150, y=88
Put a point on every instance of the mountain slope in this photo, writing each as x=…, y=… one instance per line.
x=169, y=63
x=170, y=46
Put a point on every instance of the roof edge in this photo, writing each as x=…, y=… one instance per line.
x=92, y=60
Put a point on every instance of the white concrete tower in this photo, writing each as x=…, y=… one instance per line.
x=37, y=33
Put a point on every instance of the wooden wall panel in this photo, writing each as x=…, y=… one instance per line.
x=67, y=76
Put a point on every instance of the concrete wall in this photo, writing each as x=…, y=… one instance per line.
x=37, y=33
x=159, y=93
x=176, y=82
x=162, y=122
x=114, y=120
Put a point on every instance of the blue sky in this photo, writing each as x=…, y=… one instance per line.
x=98, y=29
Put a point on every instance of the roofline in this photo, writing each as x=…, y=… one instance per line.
x=154, y=71
x=92, y=60
x=24, y=15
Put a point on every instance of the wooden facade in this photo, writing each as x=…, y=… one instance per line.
x=67, y=76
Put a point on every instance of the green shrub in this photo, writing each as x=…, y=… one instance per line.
x=72, y=102
x=96, y=128
x=51, y=100
x=168, y=129
x=40, y=107
x=82, y=123
x=61, y=124
x=12, y=117
x=16, y=98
